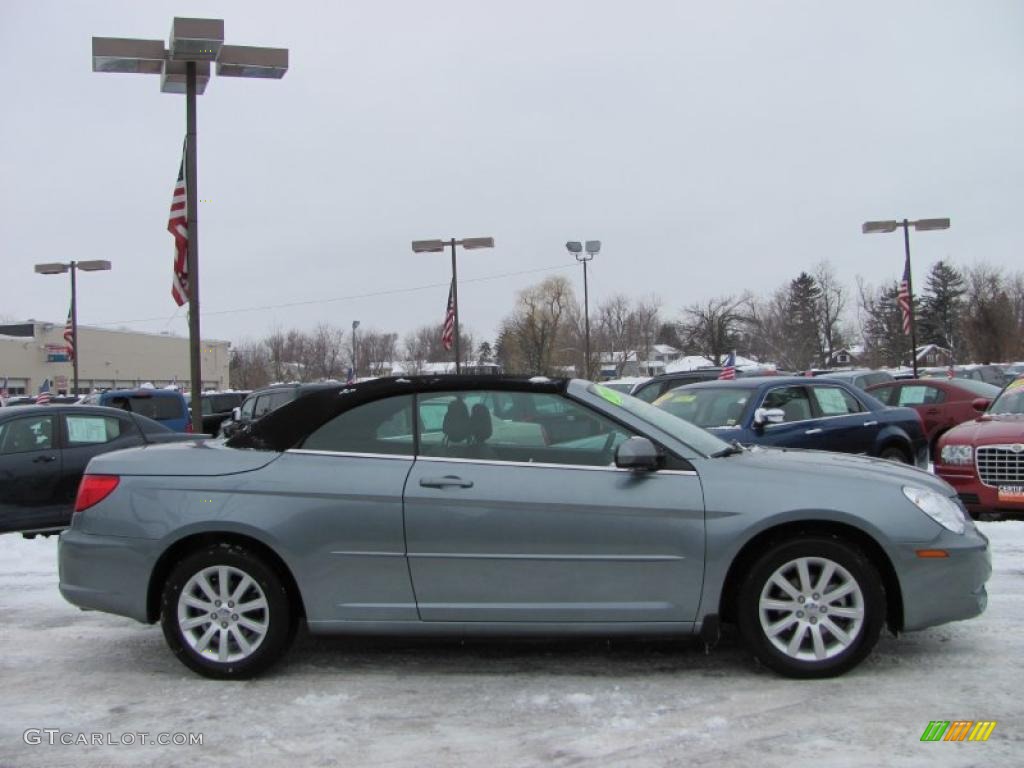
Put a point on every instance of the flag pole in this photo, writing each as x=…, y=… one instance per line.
x=191, y=193
x=910, y=298
x=74, y=326
x=455, y=301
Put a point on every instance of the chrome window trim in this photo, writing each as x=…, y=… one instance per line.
x=486, y=462
x=547, y=465
x=353, y=455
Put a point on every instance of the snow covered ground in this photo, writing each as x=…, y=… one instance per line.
x=367, y=702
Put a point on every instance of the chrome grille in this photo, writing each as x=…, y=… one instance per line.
x=998, y=464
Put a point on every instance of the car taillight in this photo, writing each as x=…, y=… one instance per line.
x=93, y=489
x=188, y=427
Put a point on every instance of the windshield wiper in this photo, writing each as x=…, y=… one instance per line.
x=730, y=450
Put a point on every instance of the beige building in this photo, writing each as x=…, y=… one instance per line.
x=33, y=351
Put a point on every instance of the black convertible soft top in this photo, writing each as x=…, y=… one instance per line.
x=283, y=428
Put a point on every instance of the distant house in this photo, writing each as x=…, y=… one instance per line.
x=661, y=355
x=933, y=356
x=617, y=364
x=842, y=356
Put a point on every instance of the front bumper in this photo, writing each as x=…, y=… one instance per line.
x=105, y=573
x=939, y=590
x=975, y=495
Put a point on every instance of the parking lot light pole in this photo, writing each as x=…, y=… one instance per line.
x=921, y=225
x=355, y=354
x=184, y=67
x=577, y=249
x=438, y=246
x=57, y=268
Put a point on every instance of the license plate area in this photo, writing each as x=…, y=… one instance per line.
x=1011, y=493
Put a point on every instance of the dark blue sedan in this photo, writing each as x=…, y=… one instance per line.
x=797, y=412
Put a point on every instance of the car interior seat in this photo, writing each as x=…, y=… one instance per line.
x=796, y=410
x=456, y=422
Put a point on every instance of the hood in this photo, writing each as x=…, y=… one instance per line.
x=840, y=465
x=988, y=430
x=205, y=458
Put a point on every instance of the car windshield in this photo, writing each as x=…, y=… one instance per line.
x=707, y=407
x=979, y=388
x=695, y=437
x=1012, y=399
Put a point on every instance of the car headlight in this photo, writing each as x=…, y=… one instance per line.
x=957, y=454
x=939, y=508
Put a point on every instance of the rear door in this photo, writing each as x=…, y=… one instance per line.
x=846, y=425
x=86, y=435
x=30, y=471
x=508, y=523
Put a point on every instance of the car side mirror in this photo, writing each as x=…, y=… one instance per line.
x=981, y=404
x=764, y=416
x=236, y=413
x=637, y=454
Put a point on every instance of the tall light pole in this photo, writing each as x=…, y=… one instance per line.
x=184, y=67
x=906, y=286
x=577, y=249
x=438, y=246
x=355, y=355
x=57, y=268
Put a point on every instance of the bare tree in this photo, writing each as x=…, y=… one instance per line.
x=713, y=326
x=990, y=328
x=831, y=306
x=538, y=326
x=249, y=366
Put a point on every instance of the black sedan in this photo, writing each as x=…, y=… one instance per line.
x=44, y=450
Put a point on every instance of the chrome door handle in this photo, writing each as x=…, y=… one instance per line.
x=815, y=431
x=448, y=481
x=870, y=423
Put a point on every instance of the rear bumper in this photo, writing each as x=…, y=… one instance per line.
x=939, y=590
x=105, y=573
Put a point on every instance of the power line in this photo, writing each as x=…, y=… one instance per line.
x=309, y=302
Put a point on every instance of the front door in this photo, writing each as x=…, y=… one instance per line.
x=30, y=467
x=508, y=522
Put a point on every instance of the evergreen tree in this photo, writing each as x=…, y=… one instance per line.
x=803, y=340
x=884, y=340
x=939, y=319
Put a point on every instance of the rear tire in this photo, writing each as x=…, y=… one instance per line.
x=811, y=608
x=225, y=613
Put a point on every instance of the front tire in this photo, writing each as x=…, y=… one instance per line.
x=811, y=608
x=892, y=453
x=225, y=613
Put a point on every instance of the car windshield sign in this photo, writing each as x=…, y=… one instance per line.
x=711, y=408
x=695, y=437
x=1011, y=401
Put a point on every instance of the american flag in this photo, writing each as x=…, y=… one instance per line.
x=729, y=369
x=177, y=225
x=43, y=398
x=448, y=332
x=904, y=298
x=69, y=336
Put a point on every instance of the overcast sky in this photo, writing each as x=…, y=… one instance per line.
x=712, y=147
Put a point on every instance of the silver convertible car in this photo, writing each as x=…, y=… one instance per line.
x=510, y=506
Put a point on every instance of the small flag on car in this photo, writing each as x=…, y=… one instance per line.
x=729, y=369
x=43, y=398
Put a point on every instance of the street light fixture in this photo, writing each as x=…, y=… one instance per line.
x=438, y=246
x=184, y=67
x=57, y=268
x=921, y=225
x=592, y=248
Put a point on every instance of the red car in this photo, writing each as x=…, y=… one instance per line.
x=941, y=403
x=983, y=459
